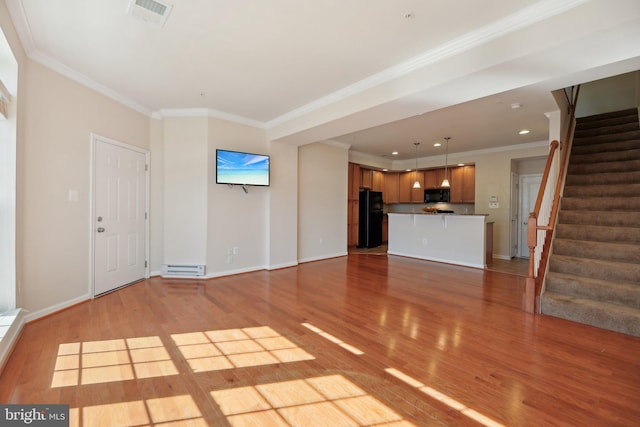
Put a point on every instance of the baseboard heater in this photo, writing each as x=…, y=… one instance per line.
x=182, y=270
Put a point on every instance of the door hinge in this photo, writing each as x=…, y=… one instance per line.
x=146, y=167
x=145, y=264
x=145, y=215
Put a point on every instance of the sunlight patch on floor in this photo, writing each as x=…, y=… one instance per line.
x=166, y=411
x=443, y=398
x=333, y=339
x=319, y=401
x=237, y=348
x=94, y=362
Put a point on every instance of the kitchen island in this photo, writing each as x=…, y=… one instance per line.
x=442, y=237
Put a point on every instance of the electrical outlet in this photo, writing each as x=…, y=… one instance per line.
x=494, y=205
x=424, y=241
x=321, y=241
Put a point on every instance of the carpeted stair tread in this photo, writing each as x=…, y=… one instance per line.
x=602, y=190
x=605, y=116
x=610, y=137
x=597, y=233
x=596, y=204
x=605, y=251
x=595, y=313
x=625, y=165
x=605, y=156
x=622, y=145
x=586, y=125
x=601, y=290
x=626, y=126
x=595, y=268
x=600, y=218
x=602, y=178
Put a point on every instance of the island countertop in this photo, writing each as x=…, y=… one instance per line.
x=443, y=237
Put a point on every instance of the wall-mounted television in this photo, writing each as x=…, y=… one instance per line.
x=238, y=168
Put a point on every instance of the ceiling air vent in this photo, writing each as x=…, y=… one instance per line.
x=153, y=11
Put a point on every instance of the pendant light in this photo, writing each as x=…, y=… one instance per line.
x=445, y=181
x=416, y=184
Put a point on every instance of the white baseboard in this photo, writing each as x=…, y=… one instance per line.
x=283, y=265
x=57, y=307
x=445, y=261
x=155, y=273
x=232, y=272
x=321, y=257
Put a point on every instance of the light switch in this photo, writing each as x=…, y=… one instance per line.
x=73, y=195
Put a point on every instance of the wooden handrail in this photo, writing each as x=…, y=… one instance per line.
x=535, y=279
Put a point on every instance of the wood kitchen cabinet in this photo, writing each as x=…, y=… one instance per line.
x=391, y=187
x=440, y=174
x=406, y=181
x=431, y=179
x=417, y=194
x=463, y=184
x=367, y=178
x=377, y=182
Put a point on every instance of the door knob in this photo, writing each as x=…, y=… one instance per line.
x=100, y=229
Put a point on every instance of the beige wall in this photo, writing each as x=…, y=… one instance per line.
x=235, y=219
x=322, y=201
x=58, y=118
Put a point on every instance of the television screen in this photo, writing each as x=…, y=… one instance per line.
x=236, y=168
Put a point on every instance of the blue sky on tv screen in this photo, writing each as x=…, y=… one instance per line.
x=242, y=168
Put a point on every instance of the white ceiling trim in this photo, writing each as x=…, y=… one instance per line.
x=207, y=112
x=23, y=29
x=523, y=18
x=337, y=144
x=528, y=16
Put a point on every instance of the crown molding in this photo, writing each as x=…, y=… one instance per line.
x=207, y=112
x=337, y=144
x=535, y=13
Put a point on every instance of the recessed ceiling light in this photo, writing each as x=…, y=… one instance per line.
x=524, y=131
x=408, y=170
x=516, y=105
x=437, y=144
x=385, y=170
x=460, y=164
x=395, y=153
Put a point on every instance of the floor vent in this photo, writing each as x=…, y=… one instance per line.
x=153, y=11
x=182, y=270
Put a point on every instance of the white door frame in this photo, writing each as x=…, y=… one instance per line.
x=95, y=138
x=524, y=216
x=514, y=216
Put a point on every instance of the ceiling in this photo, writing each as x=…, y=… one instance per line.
x=279, y=64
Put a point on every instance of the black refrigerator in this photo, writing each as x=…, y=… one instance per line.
x=370, y=215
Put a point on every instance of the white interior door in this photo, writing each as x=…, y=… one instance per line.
x=119, y=216
x=529, y=187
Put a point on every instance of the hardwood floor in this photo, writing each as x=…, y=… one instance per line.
x=362, y=340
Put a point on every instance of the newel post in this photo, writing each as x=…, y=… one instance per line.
x=530, y=282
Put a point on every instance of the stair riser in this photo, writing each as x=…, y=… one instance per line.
x=604, y=167
x=627, y=296
x=607, y=219
x=597, y=250
x=604, y=178
x=620, y=190
x=598, y=118
x=585, y=125
x=598, y=234
x=609, y=156
x=598, y=204
x=624, y=323
x=611, y=137
x=629, y=126
x=595, y=270
x=606, y=147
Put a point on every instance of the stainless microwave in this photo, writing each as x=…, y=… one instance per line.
x=436, y=195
